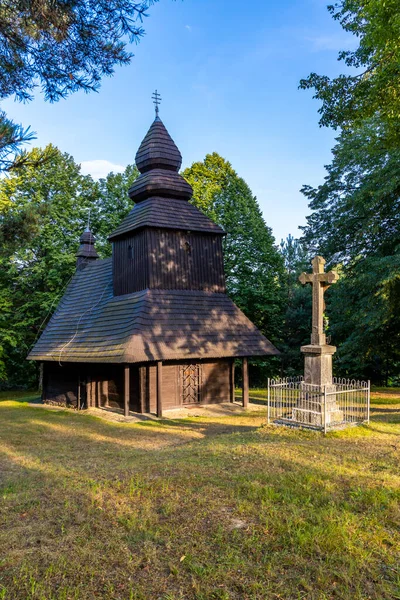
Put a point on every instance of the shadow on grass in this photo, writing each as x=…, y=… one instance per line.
x=31, y=396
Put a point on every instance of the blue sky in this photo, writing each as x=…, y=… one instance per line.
x=228, y=76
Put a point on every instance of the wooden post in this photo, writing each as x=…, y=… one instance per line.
x=43, y=373
x=93, y=393
x=99, y=404
x=105, y=393
x=159, y=389
x=88, y=392
x=78, y=396
x=142, y=389
x=126, y=390
x=245, y=385
x=233, y=380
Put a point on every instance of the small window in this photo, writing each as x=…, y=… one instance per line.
x=130, y=251
x=188, y=247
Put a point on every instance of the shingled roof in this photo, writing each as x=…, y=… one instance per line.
x=174, y=214
x=91, y=325
x=160, y=193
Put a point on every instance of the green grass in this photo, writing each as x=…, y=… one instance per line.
x=205, y=508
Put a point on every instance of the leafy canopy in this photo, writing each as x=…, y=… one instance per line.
x=374, y=88
x=62, y=47
x=355, y=223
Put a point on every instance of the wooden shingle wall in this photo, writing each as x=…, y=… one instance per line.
x=169, y=260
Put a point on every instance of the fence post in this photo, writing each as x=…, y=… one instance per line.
x=368, y=400
x=268, y=405
x=325, y=409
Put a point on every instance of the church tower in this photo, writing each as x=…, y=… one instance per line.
x=165, y=242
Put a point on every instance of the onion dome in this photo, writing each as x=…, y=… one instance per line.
x=87, y=251
x=159, y=160
x=158, y=150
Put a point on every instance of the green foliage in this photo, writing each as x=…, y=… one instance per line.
x=44, y=212
x=253, y=264
x=63, y=47
x=349, y=99
x=364, y=312
x=297, y=318
x=355, y=224
x=114, y=204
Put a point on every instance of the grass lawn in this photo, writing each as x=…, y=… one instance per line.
x=207, y=509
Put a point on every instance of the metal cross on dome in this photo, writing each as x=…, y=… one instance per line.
x=320, y=282
x=157, y=101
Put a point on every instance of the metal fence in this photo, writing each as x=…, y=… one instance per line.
x=293, y=402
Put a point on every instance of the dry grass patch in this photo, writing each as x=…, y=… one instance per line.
x=208, y=508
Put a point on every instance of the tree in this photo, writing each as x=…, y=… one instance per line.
x=374, y=89
x=297, y=316
x=113, y=205
x=364, y=311
x=253, y=264
x=61, y=46
x=355, y=210
x=354, y=224
x=44, y=211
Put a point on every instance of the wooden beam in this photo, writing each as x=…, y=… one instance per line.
x=126, y=390
x=245, y=384
x=233, y=380
x=159, y=389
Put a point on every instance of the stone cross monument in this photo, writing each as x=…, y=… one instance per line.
x=318, y=355
x=314, y=406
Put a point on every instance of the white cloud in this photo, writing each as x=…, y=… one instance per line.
x=100, y=168
x=188, y=27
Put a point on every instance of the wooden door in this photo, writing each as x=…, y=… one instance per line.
x=190, y=383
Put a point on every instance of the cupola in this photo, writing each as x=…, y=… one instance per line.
x=87, y=251
x=159, y=160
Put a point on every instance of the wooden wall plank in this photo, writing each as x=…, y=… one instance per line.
x=168, y=259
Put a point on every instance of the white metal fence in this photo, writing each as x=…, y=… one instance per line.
x=291, y=401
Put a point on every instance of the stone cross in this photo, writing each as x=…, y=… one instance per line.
x=320, y=281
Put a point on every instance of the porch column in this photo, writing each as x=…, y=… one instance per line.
x=88, y=391
x=159, y=388
x=105, y=393
x=233, y=381
x=142, y=389
x=245, y=384
x=78, y=396
x=126, y=390
x=43, y=381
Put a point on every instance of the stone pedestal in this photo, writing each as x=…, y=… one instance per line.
x=317, y=378
x=318, y=364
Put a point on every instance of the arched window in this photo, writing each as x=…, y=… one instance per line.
x=130, y=251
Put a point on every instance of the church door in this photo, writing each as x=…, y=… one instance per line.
x=190, y=383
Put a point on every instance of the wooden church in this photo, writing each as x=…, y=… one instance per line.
x=152, y=327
